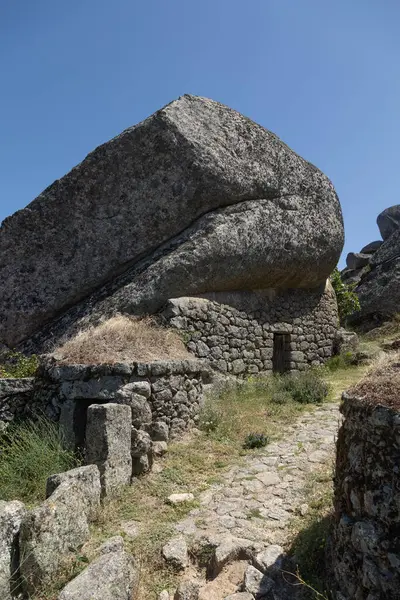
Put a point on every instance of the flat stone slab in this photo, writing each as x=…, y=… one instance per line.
x=180, y=498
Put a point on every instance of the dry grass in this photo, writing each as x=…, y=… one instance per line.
x=123, y=338
x=381, y=382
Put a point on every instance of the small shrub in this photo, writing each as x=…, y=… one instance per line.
x=255, y=440
x=343, y=360
x=281, y=396
x=307, y=387
x=29, y=453
x=210, y=419
x=16, y=364
x=347, y=299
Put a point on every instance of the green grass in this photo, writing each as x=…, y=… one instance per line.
x=306, y=387
x=345, y=360
x=29, y=453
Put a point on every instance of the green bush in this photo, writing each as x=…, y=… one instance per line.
x=347, y=299
x=281, y=396
x=341, y=361
x=15, y=364
x=255, y=440
x=29, y=453
x=306, y=387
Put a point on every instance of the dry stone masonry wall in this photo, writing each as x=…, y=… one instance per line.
x=167, y=392
x=366, y=548
x=242, y=333
x=15, y=399
x=165, y=396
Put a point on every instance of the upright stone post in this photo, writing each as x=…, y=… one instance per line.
x=108, y=444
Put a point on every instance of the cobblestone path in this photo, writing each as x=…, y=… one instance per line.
x=246, y=516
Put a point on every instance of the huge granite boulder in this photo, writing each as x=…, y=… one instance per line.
x=389, y=221
x=196, y=198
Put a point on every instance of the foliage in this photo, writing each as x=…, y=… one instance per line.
x=210, y=418
x=281, y=396
x=15, y=364
x=347, y=299
x=29, y=453
x=344, y=360
x=255, y=440
x=306, y=387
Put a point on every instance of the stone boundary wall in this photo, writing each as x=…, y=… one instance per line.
x=164, y=391
x=366, y=550
x=121, y=416
x=235, y=331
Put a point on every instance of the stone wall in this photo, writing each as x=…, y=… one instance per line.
x=235, y=331
x=16, y=398
x=366, y=544
x=165, y=391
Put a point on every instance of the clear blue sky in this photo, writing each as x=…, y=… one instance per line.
x=323, y=75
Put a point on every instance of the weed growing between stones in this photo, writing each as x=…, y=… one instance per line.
x=255, y=440
x=29, y=453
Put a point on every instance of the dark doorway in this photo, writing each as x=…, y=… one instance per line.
x=281, y=354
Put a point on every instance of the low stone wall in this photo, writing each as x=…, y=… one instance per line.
x=236, y=331
x=163, y=391
x=366, y=544
x=168, y=392
x=16, y=397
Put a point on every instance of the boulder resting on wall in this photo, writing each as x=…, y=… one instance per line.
x=196, y=198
